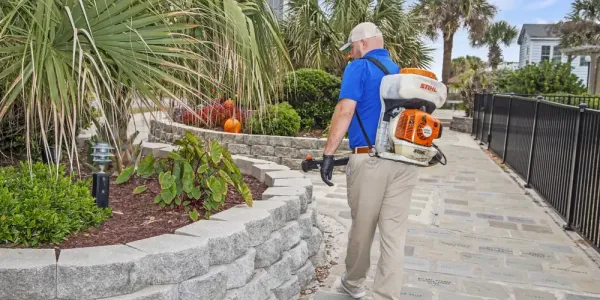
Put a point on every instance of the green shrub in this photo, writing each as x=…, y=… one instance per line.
x=280, y=119
x=544, y=78
x=313, y=94
x=44, y=206
x=195, y=172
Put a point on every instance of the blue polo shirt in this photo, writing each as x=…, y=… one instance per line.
x=360, y=83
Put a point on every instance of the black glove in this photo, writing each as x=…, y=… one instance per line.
x=327, y=169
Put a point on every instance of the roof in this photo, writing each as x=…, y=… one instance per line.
x=537, y=31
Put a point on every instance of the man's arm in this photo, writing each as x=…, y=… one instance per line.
x=342, y=116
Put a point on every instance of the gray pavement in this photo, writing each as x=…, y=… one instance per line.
x=474, y=234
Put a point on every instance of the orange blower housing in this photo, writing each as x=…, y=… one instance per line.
x=418, y=127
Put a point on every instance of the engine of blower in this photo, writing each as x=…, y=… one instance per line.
x=406, y=127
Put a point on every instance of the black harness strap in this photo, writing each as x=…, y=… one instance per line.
x=386, y=72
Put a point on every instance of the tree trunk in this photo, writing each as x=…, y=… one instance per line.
x=447, y=64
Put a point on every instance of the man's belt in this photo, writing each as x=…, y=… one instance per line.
x=360, y=150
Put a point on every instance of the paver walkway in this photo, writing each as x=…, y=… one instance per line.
x=473, y=234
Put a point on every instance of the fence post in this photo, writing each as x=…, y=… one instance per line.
x=491, y=122
x=476, y=109
x=531, y=147
x=574, y=163
x=483, y=107
x=507, y=127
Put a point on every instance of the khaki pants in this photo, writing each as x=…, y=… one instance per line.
x=379, y=193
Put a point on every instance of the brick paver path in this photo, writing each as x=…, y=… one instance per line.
x=475, y=234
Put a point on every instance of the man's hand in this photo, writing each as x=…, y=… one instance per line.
x=340, y=121
x=327, y=169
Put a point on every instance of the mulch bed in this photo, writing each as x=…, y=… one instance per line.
x=137, y=217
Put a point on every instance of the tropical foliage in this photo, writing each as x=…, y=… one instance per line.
x=279, y=119
x=463, y=64
x=194, y=173
x=46, y=207
x=59, y=56
x=313, y=94
x=314, y=33
x=448, y=17
x=474, y=81
x=545, y=78
x=497, y=34
x=582, y=24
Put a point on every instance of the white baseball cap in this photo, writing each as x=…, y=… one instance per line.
x=360, y=32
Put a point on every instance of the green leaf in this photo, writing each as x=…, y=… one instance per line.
x=188, y=178
x=224, y=175
x=178, y=200
x=203, y=168
x=168, y=181
x=216, y=152
x=196, y=193
x=214, y=185
x=125, y=175
x=140, y=189
x=194, y=215
x=246, y=194
x=199, y=151
x=223, y=185
x=186, y=203
x=217, y=198
x=157, y=199
x=169, y=194
x=176, y=157
x=191, y=138
x=146, y=167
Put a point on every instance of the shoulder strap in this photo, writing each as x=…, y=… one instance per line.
x=362, y=128
x=378, y=64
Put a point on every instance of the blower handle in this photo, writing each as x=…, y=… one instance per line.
x=311, y=164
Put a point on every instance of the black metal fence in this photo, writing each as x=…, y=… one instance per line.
x=553, y=146
x=593, y=102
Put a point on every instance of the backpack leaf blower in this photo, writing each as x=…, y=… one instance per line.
x=406, y=128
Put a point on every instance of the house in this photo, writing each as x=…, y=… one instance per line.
x=538, y=43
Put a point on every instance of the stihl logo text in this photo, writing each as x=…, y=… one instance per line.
x=428, y=87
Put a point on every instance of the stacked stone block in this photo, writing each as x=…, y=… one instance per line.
x=266, y=252
x=462, y=124
x=287, y=151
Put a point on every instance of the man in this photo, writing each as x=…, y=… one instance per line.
x=379, y=190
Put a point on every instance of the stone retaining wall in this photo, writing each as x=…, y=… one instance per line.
x=267, y=252
x=462, y=124
x=288, y=151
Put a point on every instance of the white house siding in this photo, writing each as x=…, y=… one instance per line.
x=536, y=55
x=523, y=57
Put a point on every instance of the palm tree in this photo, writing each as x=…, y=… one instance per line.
x=463, y=64
x=448, y=16
x=496, y=34
x=58, y=56
x=314, y=36
x=582, y=24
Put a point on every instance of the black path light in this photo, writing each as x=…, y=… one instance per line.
x=101, y=181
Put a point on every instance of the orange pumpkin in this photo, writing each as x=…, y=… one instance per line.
x=228, y=102
x=233, y=126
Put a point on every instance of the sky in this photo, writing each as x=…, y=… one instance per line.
x=517, y=13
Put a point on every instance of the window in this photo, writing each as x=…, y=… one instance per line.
x=583, y=61
x=545, y=55
x=556, y=55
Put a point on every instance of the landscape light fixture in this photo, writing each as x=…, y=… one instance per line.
x=101, y=181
